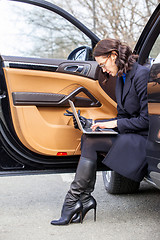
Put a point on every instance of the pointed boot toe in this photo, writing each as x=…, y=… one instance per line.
x=60, y=222
x=69, y=209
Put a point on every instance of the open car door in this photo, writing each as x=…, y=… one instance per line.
x=35, y=86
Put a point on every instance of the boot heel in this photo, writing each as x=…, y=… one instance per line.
x=89, y=203
x=81, y=217
x=95, y=214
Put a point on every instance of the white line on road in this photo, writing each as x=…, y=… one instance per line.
x=67, y=177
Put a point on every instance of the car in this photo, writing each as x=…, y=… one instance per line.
x=35, y=135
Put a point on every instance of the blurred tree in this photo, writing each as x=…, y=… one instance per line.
x=124, y=19
x=54, y=37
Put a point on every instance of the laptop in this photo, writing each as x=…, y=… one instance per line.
x=89, y=130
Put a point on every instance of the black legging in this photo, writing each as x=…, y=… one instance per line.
x=91, y=144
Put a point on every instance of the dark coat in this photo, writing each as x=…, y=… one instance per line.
x=127, y=154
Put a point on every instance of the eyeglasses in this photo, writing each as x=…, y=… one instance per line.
x=102, y=65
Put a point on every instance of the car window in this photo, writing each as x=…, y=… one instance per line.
x=31, y=31
x=155, y=49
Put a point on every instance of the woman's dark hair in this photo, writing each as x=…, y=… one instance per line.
x=125, y=57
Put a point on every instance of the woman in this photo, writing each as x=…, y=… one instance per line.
x=126, y=151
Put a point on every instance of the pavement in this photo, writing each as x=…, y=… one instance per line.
x=29, y=203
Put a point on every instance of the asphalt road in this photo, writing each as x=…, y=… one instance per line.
x=29, y=203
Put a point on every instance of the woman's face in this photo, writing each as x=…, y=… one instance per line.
x=108, y=64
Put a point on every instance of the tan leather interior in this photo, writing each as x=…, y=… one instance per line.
x=152, y=89
x=154, y=108
x=46, y=130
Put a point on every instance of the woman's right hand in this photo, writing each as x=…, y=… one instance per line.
x=108, y=124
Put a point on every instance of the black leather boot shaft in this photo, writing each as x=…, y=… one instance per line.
x=85, y=177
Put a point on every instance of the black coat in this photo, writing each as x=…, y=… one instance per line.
x=127, y=154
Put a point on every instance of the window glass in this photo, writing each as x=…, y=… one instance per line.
x=155, y=49
x=31, y=31
x=123, y=19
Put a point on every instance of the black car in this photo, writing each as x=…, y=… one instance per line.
x=35, y=136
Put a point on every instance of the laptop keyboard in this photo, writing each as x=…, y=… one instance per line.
x=90, y=130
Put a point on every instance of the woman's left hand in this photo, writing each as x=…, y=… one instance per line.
x=109, y=124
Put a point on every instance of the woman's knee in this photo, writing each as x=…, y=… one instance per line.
x=87, y=140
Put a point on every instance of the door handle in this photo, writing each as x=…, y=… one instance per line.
x=74, y=68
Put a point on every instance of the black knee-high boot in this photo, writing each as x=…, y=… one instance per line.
x=85, y=175
x=87, y=199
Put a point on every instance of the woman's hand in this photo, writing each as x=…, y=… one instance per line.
x=109, y=124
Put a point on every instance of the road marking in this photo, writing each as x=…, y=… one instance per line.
x=67, y=177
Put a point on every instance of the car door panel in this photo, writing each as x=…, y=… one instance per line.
x=35, y=91
x=37, y=107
